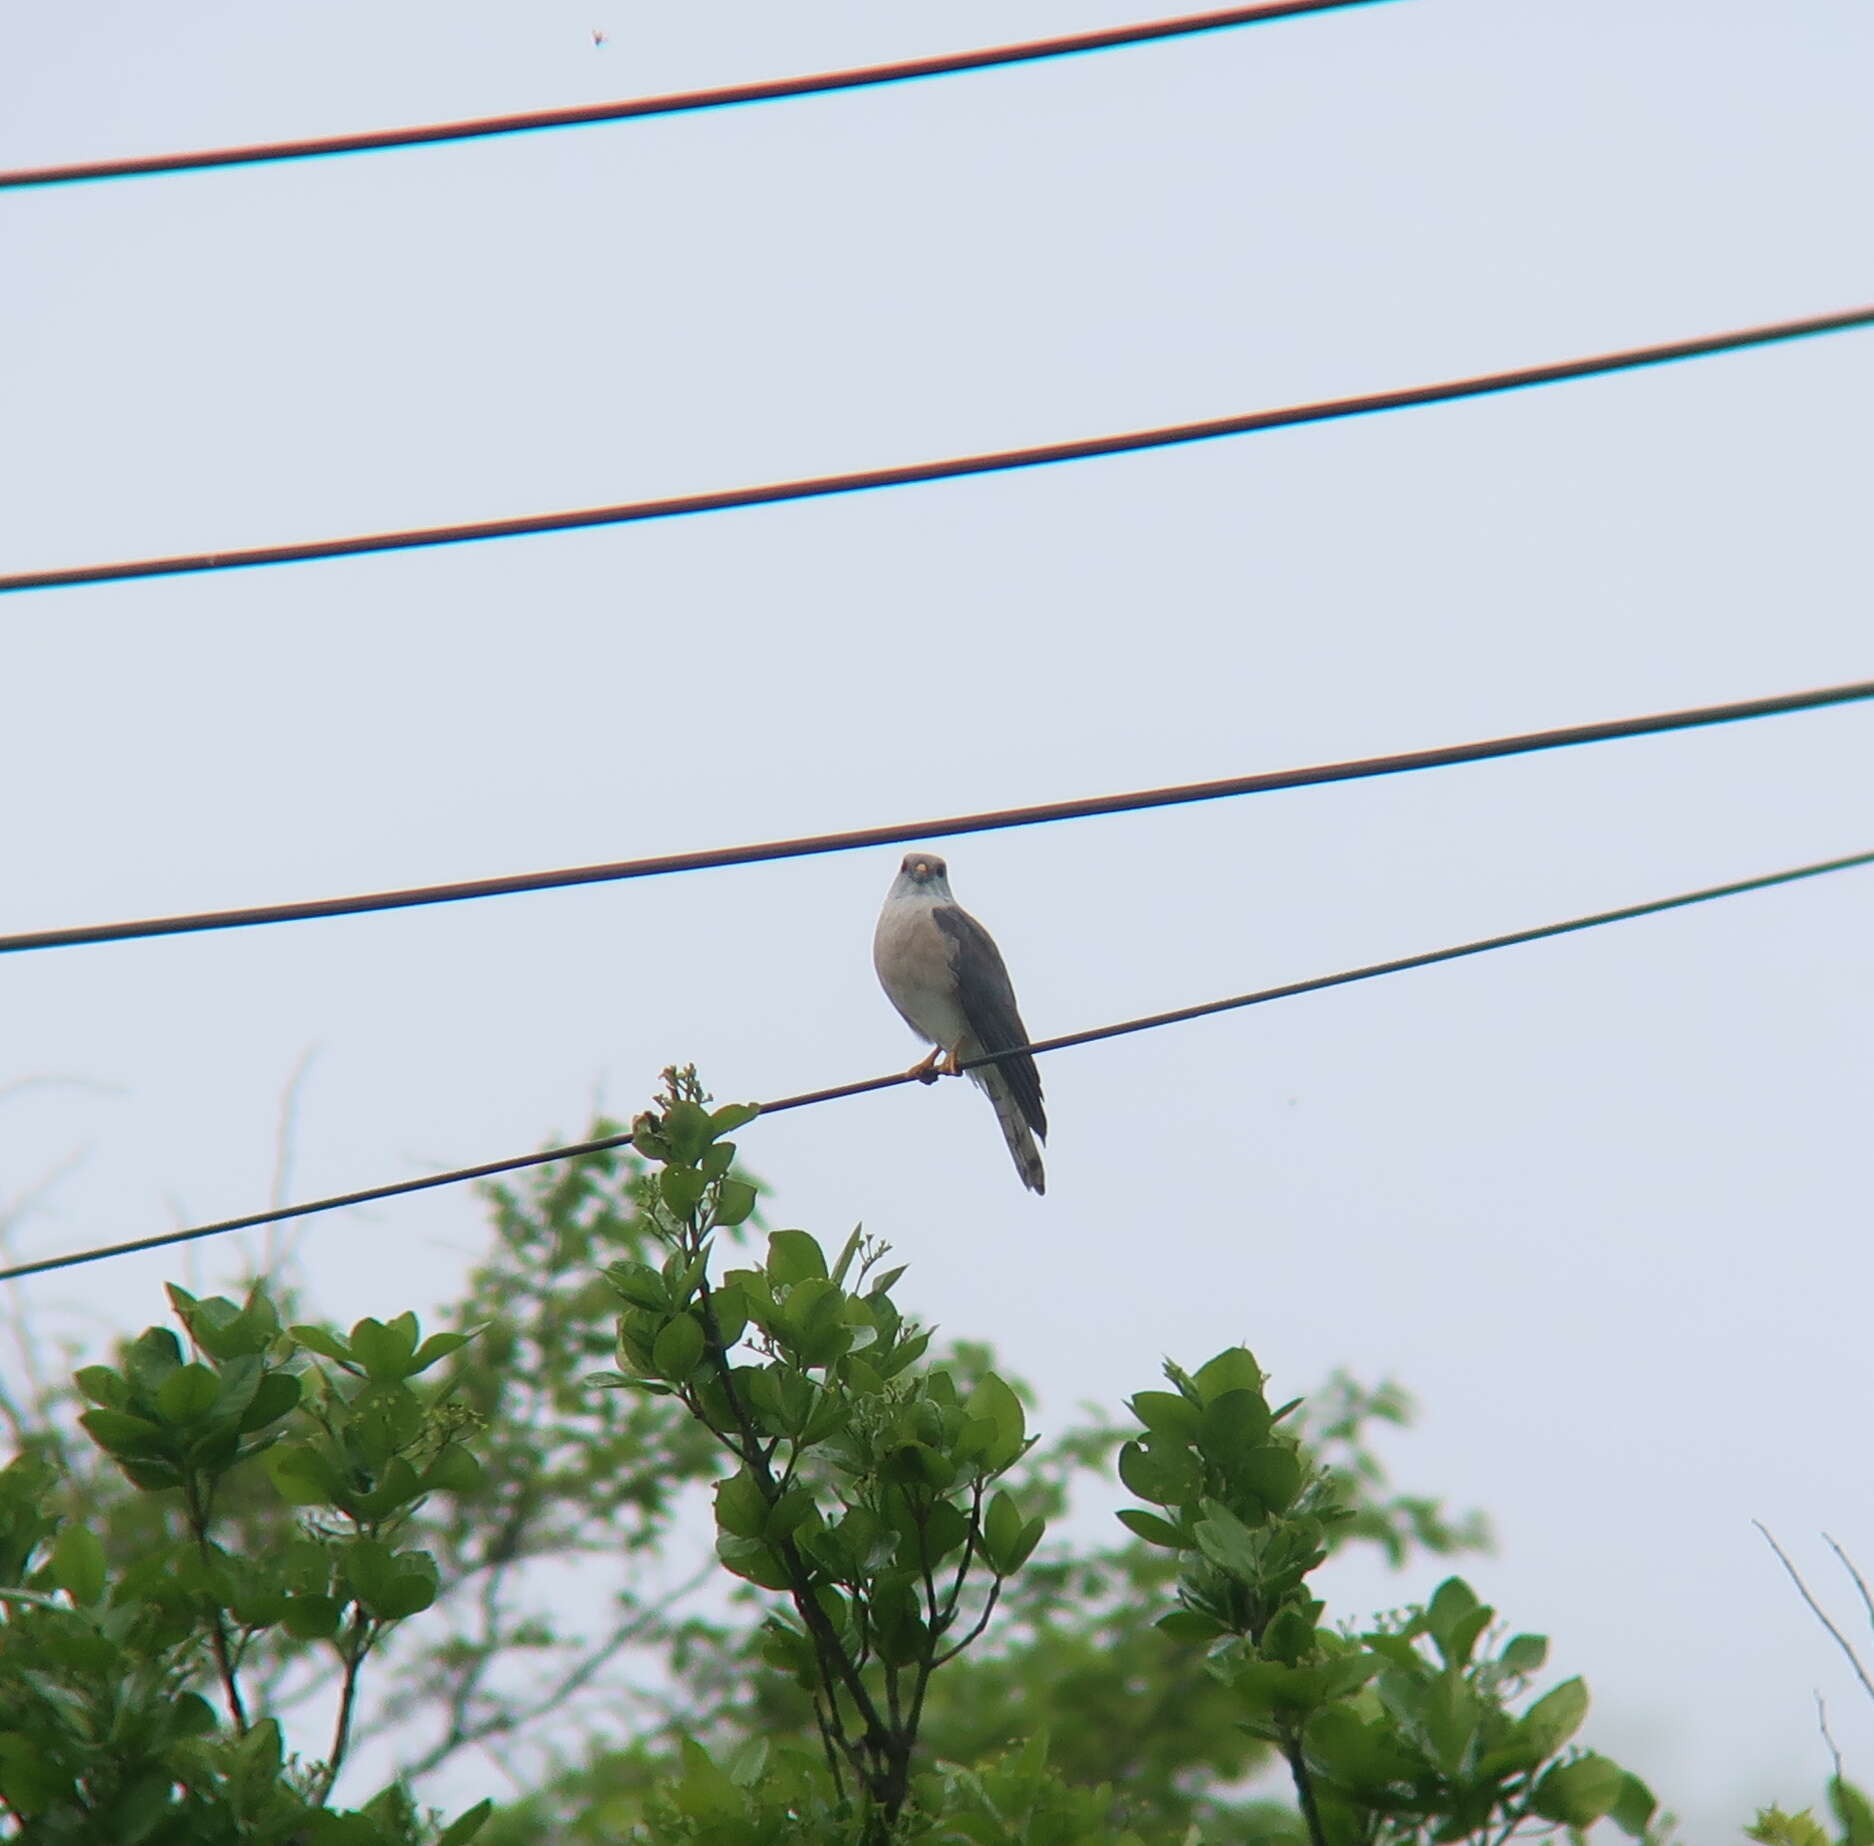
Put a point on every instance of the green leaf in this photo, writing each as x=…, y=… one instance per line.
x=28, y=1781
x=1232, y=1425
x=385, y=1348
x=1227, y=1542
x=437, y=1346
x=689, y=1130
x=276, y=1394
x=1166, y=1411
x=1188, y=1625
x=898, y=1630
x=881, y=1285
x=917, y=1464
x=187, y=1393
x=1450, y=1716
x=794, y=1509
x=730, y=1117
x=729, y=1306
x=102, y=1386
x=1524, y=1654
x=152, y=1476
x=1775, y=1828
x=368, y=1564
x=812, y=1321
x=795, y=1256
x=152, y=1356
x=192, y=1715
x=1458, y=1643
x=735, y=1201
x=749, y=1763
x=1274, y=1476
x=397, y=1487
x=1266, y=1687
x=390, y=1585
x=1455, y=1619
x=741, y=1507
x=1361, y=1756
x=466, y=1825
x=678, y=1348
x=994, y=1399
x=1232, y=1370
x=78, y=1564
x=455, y=1470
x=640, y=1284
x=787, y=1650
x=683, y=1189
x=1166, y=1473
x=122, y=1435
x=1451, y=1600
x=323, y=1341
x=409, y=1593
x=1001, y=1532
x=1554, y=1718
x=303, y=1475
x=1152, y=1529
x=1633, y=1811
x=1031, y=1535
x=1582, y=1792
x=750, y=1558
x=311, y=1618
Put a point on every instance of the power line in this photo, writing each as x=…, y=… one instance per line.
x=995, y=462
x=679, y=103
x=951, y=826
x=1150, y=1022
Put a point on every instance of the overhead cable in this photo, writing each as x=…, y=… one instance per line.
x=948, y=827
x=998, y=461
x=1092, y=1035
x=682, y=102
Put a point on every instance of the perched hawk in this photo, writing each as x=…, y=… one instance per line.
x=944, y=974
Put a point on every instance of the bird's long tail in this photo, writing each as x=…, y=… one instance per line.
x=1015, y=1130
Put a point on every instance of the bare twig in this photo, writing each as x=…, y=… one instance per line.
x=1303, y=1779
x=18, y=1330
x=359, y=1646
x=285, y=1146
x=575, y=1679
x=982, y=1622
x=1816, y=1609
x=1860, y=1582
x=1828, y=1737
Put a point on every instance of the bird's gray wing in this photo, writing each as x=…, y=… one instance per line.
x=987, y=997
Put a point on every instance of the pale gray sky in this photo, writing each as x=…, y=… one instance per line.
x=1600, y=1203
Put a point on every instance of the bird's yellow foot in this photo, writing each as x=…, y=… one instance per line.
x=926, y=1071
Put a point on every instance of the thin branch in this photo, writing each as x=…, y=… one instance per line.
x=1516, y=1819
x=1860, y=1582
x=982, y=1622
x=347, y=1705
x=1828, y=1737
x=1304, y=1788
x=1816, y=1609
x=285, y=1146
x=826, y=1743
x=575, y=1679
x=195, y=1510
x=833, y=1656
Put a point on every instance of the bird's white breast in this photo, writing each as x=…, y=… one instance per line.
x=912, y=956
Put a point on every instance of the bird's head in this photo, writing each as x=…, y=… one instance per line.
x=923, y=874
